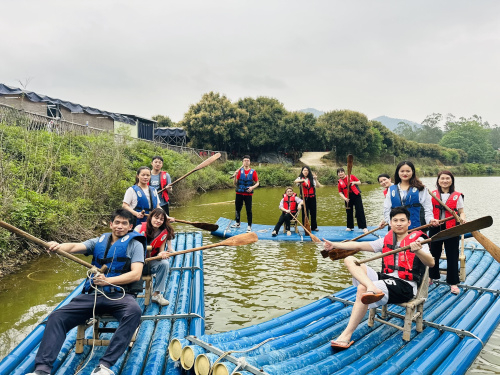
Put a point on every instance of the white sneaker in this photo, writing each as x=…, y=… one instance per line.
x=160, y=300
x=249, y=229
x=237, y=225
x=102, y=370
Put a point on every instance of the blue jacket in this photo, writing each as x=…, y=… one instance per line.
x=411, y=203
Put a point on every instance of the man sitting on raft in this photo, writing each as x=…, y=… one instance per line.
x=401, y=273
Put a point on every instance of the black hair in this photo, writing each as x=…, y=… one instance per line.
x=414, y=181
x=246, y=157
x=452, y=186
x=340, y=170
x=121, y=212
x=399, y=210
x=157, y=157
x=309, y=175
x=166, y=225
x=139, y=172
x=383, y=175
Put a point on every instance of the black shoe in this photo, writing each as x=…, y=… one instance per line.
x=274, y=234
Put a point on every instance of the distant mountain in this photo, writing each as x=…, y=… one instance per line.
x=392, y=123
x=315, y=112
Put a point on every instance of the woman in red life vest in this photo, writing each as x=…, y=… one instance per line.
x=308, y=182
x=290, y=204
x=453, y=199
x=350, y=193
x=159, y=234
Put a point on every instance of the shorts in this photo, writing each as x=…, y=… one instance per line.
x=395, y=290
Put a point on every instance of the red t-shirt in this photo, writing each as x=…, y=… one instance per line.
x=255, y=178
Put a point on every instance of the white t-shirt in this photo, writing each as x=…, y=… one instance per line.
x=131, y=196
x=377, y=247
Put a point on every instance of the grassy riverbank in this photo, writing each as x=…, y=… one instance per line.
x=63, y=187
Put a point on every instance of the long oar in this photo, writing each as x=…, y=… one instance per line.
x=40, y=242
x=341, y=254
x=493, y=249
x=239, y=240
x=306, y=217
x=235, y=172
x=206, y=163
x=350, y=162
x=308, y=231
x=214, y=203
x=471, y=226
x=204, y=226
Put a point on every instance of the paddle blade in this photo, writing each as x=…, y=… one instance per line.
x=489, y=246
x=209, y=161
x=336, y=254
x=240, y=239
x=314, y=238
x=470, y=226
x=350, y=162
x=206, y=226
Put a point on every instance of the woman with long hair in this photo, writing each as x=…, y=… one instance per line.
x=159, y=234
x=445, y=184
x=141, y=198
x=308, y=182
x=409, y=192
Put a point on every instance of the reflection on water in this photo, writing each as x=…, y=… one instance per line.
x=244, y=285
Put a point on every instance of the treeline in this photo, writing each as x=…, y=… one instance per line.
x=476, y=137
x=257, y=125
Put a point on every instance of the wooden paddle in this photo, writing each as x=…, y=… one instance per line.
x=239, y=240
x=306, y=217
x=206, y=163
x=493, y=249
x=235, y=172
x=214, y=203
x=350, y=162
x=308, y=231
x=335, y=254
x=40, y=242
x=471, y=226
x=204, y=226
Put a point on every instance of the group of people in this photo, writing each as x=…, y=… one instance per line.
x=407, y=206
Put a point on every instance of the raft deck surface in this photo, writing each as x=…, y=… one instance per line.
x=299, y=341
x=330, y=233
x=148, y=354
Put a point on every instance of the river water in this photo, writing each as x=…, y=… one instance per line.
x=248, y=284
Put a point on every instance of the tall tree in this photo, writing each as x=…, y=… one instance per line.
x=215, y=123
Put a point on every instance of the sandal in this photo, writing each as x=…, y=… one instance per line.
x=371, y=297
x=341, y=344
x=455, y=289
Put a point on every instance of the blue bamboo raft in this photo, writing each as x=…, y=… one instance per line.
x=330, y=233
x=184, y=315
x=456, y=329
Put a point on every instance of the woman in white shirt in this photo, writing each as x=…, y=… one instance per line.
x=141, y=198
x=453, y=199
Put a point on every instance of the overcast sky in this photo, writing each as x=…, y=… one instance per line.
x=397, y=58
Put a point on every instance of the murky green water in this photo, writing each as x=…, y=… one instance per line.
x=248, y=284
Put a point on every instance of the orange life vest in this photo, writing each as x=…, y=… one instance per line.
x=343, y=186
x=289, y=203
x=308, y=189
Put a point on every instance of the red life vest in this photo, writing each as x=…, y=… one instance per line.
x=163, y=183
x=343, y=186
x=408, y=265
x=308, y=191
x=289, y=203
x=451, y=203
x=157, y=242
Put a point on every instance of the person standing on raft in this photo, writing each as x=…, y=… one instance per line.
x=409, y=192
x=385, y=181
x=122, y=251
x=161, y=180
x=245, y=180
x=158, y=233
x=290, y=204
x=453, y=199
x=308, y=183
x=395, y=284
x=141, y=198
x=350, y=193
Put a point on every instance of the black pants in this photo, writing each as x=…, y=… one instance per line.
x=78, y=311
x=311, y=210
x=452, y=253
x=238, y=202
x=355, y=202
x=165, y=208
x=284, y=218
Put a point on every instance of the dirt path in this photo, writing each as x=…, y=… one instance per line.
x=313, y=158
